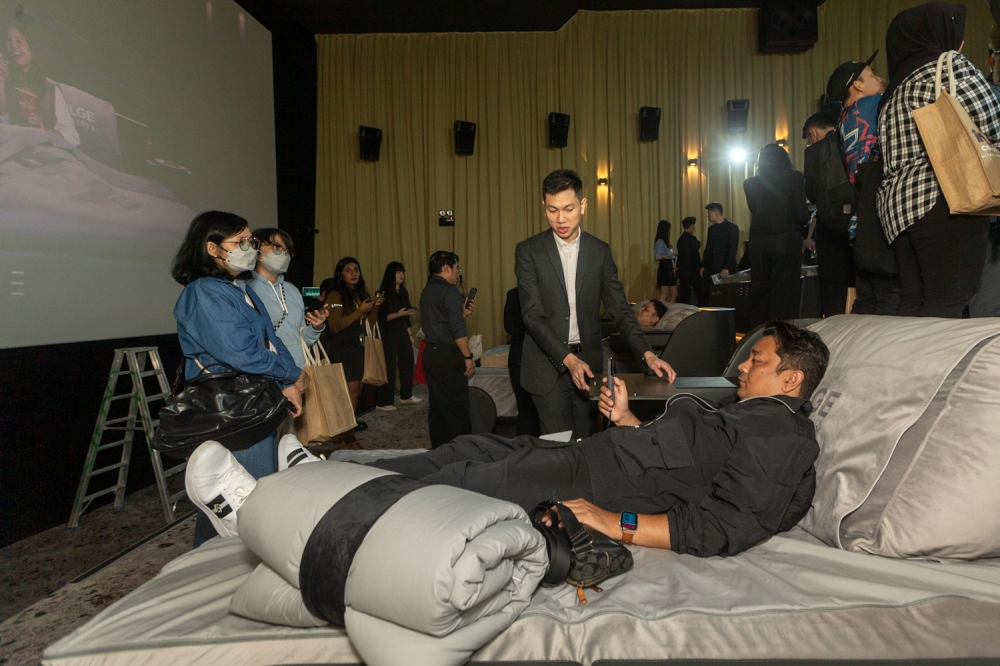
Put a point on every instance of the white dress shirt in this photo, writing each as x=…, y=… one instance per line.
x=569, y=255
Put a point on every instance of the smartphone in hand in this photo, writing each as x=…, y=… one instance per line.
x=611, y=378
x=472, y=297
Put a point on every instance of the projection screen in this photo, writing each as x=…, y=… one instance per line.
x=119, y=121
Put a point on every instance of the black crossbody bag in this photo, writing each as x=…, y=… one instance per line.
x=236, y=409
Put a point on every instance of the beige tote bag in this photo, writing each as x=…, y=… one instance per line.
x=966, y=164
x=326, y=408
x=375, y=373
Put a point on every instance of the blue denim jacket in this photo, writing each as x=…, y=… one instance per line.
x=215, y=324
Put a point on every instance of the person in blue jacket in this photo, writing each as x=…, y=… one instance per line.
x=220, y=321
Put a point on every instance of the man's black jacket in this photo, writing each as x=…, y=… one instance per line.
x=720, y=248
x=688, y=255
x=728, y=477
x=827, y=185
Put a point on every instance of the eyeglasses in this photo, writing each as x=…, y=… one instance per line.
x=279, y=249
x=245, y=243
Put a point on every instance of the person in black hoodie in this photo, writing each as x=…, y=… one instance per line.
x=776, y=197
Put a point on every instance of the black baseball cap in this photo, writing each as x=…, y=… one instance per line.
x=844, y=76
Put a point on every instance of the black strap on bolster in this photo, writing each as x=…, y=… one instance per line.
x=336, y=538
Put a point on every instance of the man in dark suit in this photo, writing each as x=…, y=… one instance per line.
x=689, y=265
x=513, y=323
x=563, y=277
x=720, y=247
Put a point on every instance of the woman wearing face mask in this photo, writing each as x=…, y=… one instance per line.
x=282, y=300
x=343, y=337
x=220, y=321
x=397, y=336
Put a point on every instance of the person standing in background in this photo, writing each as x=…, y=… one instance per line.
x=689, y=265
x=448, y=360
x=986, y=302
x=282, y=300
x=663, y=252
x=397, y=340
x=720, y=247
x=776, y=197
x=343, y=338
x=513, y=323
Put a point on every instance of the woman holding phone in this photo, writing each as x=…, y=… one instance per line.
x=222, y=322
x=343, y=338
x=397, y=340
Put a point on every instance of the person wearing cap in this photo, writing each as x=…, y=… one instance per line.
x=721, y=246
x=856, y=86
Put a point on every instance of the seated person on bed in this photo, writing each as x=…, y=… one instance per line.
x=651, y=311
x=703, y=479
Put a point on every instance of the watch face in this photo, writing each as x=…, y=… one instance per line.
x=630, y=521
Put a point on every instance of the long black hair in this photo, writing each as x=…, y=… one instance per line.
x=772, y=159
x=663, y=233
x=192, y=260
x=347, y=294
x=394, y=300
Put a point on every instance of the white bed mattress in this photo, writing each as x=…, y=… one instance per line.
x=791, y=597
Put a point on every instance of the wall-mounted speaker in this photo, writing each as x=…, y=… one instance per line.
x=465, y=137
x=787, y=26
x=370, y=139
x=558, y=130
x=737, y=111
x=649, y=123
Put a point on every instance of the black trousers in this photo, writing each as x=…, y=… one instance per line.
x=563, y=408
x=524, y=470
x=776, y=277
x=448, y=416
x=527, y=414
x=876, y=293
x=835, y=259
x=398, y=354
x=690, y=290
x=941, y=260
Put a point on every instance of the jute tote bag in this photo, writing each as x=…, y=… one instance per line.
x=326, y=409
x=375, y=373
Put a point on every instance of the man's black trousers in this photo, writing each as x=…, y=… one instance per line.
x=836, y=269
x=564, y=407
x=398, y=353
x=527, y=414
x=449, y=415
x=775, y=277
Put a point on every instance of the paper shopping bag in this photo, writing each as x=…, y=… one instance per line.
x=326, y=409
x=966, y=164
x=375, y=373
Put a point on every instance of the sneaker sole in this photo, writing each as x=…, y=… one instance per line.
x=214, y=518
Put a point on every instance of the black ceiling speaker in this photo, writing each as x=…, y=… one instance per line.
x=787, y=26
x=558, y=130
x=371, y=143
x=465, y=137
x=649, y=123
x=737, y=112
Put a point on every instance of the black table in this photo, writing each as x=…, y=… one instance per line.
x=647, y=394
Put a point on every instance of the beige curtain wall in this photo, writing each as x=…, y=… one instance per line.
x=600, y=68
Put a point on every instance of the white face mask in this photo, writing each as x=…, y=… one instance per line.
x=242, y=260
x=276, y=263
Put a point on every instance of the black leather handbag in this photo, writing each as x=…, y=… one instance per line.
x=233, y=408
x=578, y=555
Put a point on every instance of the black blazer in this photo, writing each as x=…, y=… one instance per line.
x=545, y=307
x=777, y=202
x=720, y=248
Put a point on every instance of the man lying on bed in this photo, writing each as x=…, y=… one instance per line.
x=703, y=479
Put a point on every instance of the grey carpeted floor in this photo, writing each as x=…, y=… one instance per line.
x=38, y=605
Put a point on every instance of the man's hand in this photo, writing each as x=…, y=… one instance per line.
x=317, y=318
x=295, y=398
x=659, y=366
x=469, y=310
x=579, y=371
x=590, y=515
x=470, y=367
x=701, y=271
x=724, y=272
x=616, y=410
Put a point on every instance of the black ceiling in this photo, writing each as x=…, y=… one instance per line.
x=364, y=16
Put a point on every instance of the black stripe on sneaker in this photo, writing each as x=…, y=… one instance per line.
x=295, y=457
x=220, y=507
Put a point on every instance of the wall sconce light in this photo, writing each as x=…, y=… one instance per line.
x=602, y=182
x=782, y=142
x=693, y=162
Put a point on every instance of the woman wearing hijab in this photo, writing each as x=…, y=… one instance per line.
x=776, y=197
x=940, y=255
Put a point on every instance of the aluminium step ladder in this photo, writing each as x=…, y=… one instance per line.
x=138, y=409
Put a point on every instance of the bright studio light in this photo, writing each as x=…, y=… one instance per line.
x=738, y=155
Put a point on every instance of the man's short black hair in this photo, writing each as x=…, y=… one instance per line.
x=799, y=349
x=689, y=222
x=715, y=205
x=817, y=120
x=267, y=234
x=660, y=307
x=439, y=260
x=562, y=180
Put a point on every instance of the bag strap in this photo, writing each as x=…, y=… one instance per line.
x=373, y=331
x=316, y=355
x=948, y=57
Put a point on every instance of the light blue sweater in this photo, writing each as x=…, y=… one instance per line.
x=288, y=329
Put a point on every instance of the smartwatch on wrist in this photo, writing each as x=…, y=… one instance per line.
x=629, y=523
x=469, y=357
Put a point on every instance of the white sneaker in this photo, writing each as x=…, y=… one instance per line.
x=386, y=408
x=292, y=453
x=413, y=400
x=218, y=485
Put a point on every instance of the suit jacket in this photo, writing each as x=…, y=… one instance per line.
x=720, y=248
x=545, y=307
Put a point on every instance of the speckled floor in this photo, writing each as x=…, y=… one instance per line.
x=38, y=605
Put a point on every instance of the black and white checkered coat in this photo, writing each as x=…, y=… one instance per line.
x=910, y=188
